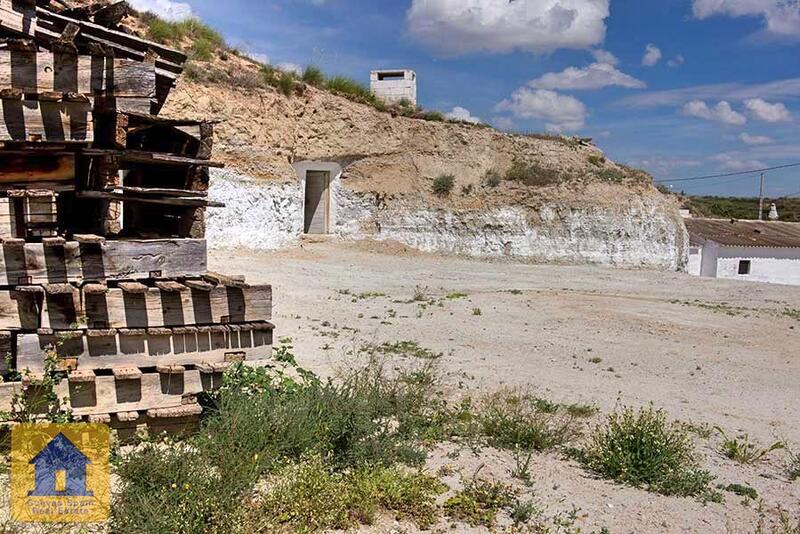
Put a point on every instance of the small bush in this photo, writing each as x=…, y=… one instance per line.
x=512, y=420
x=435, y=116
x=597, y=161
x=492, y=178
x=643, y=449
x=477, y=311
x=531, y=174
x=611, y=175
x=741, y=449
x=351, y=88
x=312, y=75
x=479, y=502
x=286, y=83
x=443, y=185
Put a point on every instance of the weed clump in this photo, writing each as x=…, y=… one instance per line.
x=443, y=185
x=532, y=174
x=512, y=420
x=312, y=75
x=405, y=348
x=311, y=496
x=479, y=502
x=744, y=451
x=643, y=449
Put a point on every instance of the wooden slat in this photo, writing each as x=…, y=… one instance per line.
x=38, y=73
x=156, y=158
x=31, y=120
x=166, y=201
x=33, y=167
x=157, y=308
x=152, y=391
x=18, y=17
x=73, y=262
x=163, y=192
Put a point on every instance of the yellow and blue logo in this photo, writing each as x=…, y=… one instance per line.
x=60, y=473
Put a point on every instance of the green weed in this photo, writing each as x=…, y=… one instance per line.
x=742, y=450
x=643, y=449
x=479, y=502
x=443, y=184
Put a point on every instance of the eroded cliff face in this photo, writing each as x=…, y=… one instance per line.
x=595, y=212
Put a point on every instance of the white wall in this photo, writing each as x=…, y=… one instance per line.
x=395, y=89
x=267, y=215
x=695, y=263
x=708, y=264
x=776, y=265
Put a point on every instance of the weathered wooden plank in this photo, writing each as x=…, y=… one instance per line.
x=156, y=158
x=44, y=263
x=19, y=17
x=167, y=200
x=153, y=391
x=156, y=308
x=164, y=192
x=27, y=168
x=117, y=351
x=32, y=120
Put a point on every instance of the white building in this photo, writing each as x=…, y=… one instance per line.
x=745, y=250
x=392, y=86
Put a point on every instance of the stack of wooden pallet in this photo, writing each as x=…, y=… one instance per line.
x=102, y=222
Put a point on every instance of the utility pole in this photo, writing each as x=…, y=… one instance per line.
x=761, y=200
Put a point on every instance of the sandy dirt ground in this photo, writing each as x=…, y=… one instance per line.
x=709, y=352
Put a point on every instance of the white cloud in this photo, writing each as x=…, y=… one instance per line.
x=604, y=56
x=462, y=114
x=459, y=26
x=781, y=17
x=735, y=164
x=560, y=112
x=652, y=55
x=166, y=9
x=787, y=88
x=290, y=67
x=595, y=76
x=755, y=140
x=722, y=112
x=504, y=123
x=763, y=110
x=676, y=62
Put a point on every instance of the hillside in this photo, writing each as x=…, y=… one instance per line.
x=536, y=197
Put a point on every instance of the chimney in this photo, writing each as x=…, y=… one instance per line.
x=773, y=212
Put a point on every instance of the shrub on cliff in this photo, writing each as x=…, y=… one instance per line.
x=443, y=185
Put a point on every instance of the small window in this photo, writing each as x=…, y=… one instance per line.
x=744, y=267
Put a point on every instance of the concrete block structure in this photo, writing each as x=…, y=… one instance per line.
x=392, y=86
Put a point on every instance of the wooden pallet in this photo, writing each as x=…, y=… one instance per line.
x=109, y=349
x=59, y=261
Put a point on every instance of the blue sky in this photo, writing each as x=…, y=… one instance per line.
x=678, y=87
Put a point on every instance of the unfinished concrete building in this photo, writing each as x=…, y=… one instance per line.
x=394, y=86
x=103, y=277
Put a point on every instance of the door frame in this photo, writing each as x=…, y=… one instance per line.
x=334, y=170
x=326, y=200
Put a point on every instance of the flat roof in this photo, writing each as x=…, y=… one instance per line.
x=736, y=233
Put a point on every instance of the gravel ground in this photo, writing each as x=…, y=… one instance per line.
x=709, y=352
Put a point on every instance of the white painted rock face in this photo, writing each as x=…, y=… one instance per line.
x=266, y=215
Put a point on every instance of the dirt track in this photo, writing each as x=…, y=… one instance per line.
x=708, y=351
